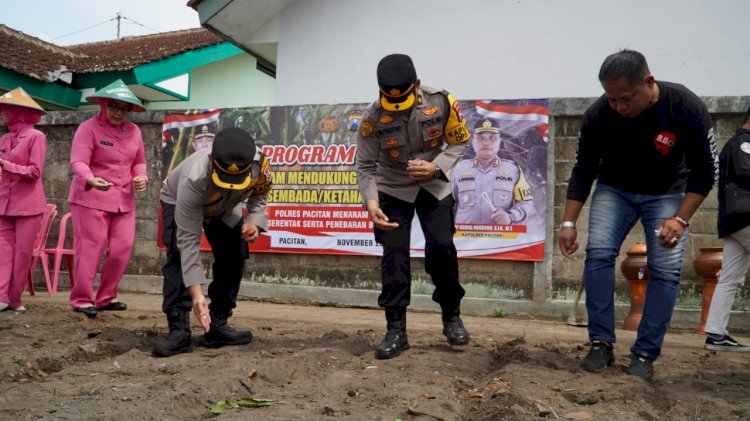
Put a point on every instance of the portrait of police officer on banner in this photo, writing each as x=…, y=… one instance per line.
x=489, y=189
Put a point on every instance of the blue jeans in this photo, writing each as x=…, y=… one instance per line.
x=613, y=214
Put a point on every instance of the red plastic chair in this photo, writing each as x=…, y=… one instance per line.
x=41, y=241
x=59, y=252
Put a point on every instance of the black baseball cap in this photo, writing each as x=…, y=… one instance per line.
x=396, y=78
x=233, y=151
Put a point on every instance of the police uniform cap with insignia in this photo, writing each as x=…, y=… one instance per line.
x=397, y=79
x=487, y=125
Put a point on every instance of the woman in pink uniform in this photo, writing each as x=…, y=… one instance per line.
x=22, y=202
x=108, y=162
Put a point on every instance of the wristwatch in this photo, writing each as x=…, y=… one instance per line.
x=439, y=173
x=568, y=224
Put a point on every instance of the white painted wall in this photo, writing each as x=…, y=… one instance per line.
x=329, y=49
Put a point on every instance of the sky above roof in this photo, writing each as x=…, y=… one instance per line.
x=82, y=21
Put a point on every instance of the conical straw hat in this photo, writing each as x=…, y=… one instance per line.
x=119, y=91
x=20, y=98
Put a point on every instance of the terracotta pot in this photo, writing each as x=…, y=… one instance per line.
x=635, y=269
x=707, y=265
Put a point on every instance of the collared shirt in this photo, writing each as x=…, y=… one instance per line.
x=116, y=155
x=481, y=190
x=196, y=198
x=21, y=189
x=433, y=130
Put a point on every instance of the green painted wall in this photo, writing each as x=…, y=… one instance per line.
x=210, y=89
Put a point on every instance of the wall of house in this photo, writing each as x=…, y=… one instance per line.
x=551, y=279
x=249, y=87
x=329, y=49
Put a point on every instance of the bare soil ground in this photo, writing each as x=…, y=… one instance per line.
x=317, y=363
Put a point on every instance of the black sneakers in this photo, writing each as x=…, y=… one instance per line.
x=642, y=367
x=600, y=356
x=725, y=343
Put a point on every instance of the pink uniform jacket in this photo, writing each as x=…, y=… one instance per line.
x=115, y=154
x=21, y=190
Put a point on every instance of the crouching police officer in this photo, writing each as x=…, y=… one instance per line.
x=206, y=191
x=489, y=189
x=407, y=144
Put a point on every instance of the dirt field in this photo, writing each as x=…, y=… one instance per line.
x=317, y=363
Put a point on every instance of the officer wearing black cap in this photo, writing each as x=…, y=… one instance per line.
x=407, y=144
x=489, y=189
x=207, y=192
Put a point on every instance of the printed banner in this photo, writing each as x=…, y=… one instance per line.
x=315, y=205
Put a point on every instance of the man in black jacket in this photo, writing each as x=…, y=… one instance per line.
x=650, y=146
x=734, y=229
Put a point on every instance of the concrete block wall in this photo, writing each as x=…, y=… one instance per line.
x=540, y=281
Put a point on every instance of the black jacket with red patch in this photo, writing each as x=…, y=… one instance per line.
x=668, y=148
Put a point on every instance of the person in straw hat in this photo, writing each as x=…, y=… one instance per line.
x=109, y=166
x=23, y=151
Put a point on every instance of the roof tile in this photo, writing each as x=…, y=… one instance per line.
x=33, y=57
x=127, y=53
x=45, y=61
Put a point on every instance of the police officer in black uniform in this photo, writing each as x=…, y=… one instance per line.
x=407, y=144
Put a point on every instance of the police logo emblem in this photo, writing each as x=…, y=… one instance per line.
x=328, y=125
x=353, y=118
x=366, y=127
x=392, y=141
x=395, y=153
x=386, y=119
x=434, y=143
x=430, y=111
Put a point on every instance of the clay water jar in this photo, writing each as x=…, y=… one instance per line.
x=635, y=270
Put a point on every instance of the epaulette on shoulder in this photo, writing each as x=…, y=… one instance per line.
x=431, y=90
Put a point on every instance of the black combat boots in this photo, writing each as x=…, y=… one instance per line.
x=453, y=328
x=395, y=338
x=178, y=340
x=221, y=334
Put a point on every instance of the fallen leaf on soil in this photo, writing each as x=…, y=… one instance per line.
x=579, y=416
x=28, y=364
x=246, y=385
x=428, y=397
x=433, y=381
x=472, y=394
x=252, y=373
x=220, y=406
x=254, y=402
x=41, y=373
x=497, y=385
x=88, y=347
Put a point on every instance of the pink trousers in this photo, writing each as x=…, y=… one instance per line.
x=94, y=230
x=17, y=236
